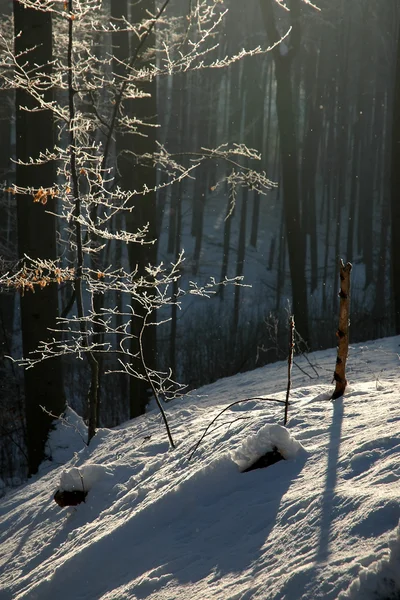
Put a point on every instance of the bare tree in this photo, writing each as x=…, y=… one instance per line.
x=87, y=193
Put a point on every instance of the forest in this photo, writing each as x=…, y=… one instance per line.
x=177, y=178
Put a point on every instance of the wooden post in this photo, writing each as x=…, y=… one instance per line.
x=342, y=333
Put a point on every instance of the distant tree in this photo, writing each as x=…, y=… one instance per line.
x=284, y=55
x=36, y=226
x=395, y=192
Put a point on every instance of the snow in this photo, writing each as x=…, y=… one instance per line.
x=322, y=524
x=381, y=580
x=84, y=478
x=68, y=436
x=265, y=440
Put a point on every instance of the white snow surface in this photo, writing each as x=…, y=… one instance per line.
x=380, y=580
x=321, y=525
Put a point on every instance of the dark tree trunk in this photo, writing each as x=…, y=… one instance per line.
x=36, y=233
x=240, y=258
x=255, y=216
x=175, y=287
x=200, y=191
x=134, y=175
x=395, y=193
x=290, y=157
x=280, y=272
x=226, y=246
x=314, y=71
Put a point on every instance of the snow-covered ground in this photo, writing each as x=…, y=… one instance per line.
x=322, y=524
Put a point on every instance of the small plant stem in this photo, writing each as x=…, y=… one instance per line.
x=151, y=383
x=290, y=363
x=221, y=413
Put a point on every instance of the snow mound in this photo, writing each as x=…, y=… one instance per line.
x=83, y=478
x=381, y=580
x=265, y=440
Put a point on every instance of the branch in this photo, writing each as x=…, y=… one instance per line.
x=67, y=423
x=124, y=84
x=221, y=413
x=149, y=379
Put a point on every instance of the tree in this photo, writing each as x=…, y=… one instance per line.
x=36, y=226
x=89, y=109
x=138, y=51
x=284, y=55
x=395, y=192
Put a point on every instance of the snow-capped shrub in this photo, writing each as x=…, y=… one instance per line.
x=75, y=483
x=82, y=478
x=267, y=439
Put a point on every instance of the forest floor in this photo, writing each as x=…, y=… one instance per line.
x=322, y=524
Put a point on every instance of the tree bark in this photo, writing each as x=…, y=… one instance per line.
x=36, y=232
x=342, y=333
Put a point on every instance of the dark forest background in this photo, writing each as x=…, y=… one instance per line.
x=321, y=108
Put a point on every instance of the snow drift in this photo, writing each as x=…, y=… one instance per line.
x=156, y=526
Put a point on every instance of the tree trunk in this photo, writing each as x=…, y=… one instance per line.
x=226, y=246
x=36, y=232
x=342, y=333
x=241, y=253
x=175, y=287
x=199, y=200
x=314, y=72
x=290, y=157
x=395, y=193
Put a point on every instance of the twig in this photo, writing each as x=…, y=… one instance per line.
x=220, y=413
x=67, y=423
x=151, y=383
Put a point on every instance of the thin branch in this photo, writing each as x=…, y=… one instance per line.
x=151, y=382
x=124, y=84
x=221, y=413
x=67, y=423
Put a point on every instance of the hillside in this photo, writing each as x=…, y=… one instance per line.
x=322, y=524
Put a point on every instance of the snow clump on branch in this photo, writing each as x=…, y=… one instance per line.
x=266, y=440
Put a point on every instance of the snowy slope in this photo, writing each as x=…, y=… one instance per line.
x=320, y=525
